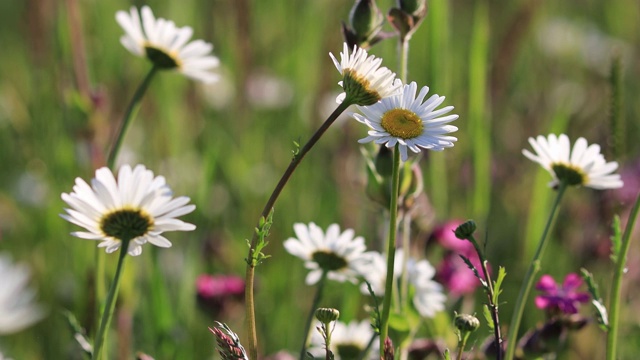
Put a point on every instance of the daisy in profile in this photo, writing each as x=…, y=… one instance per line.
x=365, y=82
x=406, y=120
x=17, y=308
x=583, y=165
x=339, y=255
x=348, y=341
x=134, y=209
x=166, y=45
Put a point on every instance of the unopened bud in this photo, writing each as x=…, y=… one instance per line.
x=465, y=230
x=365, y=18
x=412, y=7
x=466, y=323
x=327, y=315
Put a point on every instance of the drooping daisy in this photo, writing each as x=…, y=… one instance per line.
x=165, y=44
x=17, y=307
x=137, y=208
x=428, y=297
x=347, y=341
x=584, y=165
x=339, y=254
x=365, y=82
x=404, y=119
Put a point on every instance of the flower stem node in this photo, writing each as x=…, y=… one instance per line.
x=465, y=230
x=466, y=323
x=327, y=315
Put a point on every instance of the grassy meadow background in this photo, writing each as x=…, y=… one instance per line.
x=512, y=69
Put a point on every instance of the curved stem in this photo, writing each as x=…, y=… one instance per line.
x=314, y=306
x=132, y=108
x=111, y=303
x=391, y=249
x=534, y=267
x=252, y=343
x=614, y=305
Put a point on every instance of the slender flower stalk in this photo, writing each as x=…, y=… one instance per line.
x=365, y=82
x=391, y=248
x=252, y=343
x=312, y=311
x=493, y=306
x=110, y=305
x=132, y=109
x=529, y=277
x=614, y=305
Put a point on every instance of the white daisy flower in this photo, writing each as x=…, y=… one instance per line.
x=365, y=82
x=17, y=307
x=428, y=296
x=137, y=208
x=347, y=341
x=339, y=254
x=165, y=44
x=584, y=165
x=406, y=120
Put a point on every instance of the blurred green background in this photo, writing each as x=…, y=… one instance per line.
x=511, y=69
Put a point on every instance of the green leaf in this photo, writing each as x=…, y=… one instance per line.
x=497, y=285
x=487, y=316
x=598, y=304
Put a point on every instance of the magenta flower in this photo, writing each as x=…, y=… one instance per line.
x=453, y=272
x=219, y=294
x=565, y=299
x=210, y=286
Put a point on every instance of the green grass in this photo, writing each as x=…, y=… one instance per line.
x=228, y=158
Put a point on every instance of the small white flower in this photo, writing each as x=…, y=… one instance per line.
x=428, y=295
x=584, y=165
x=406, y=120
x=347, y=341
x=17, y=308
x=365, y=82
x=165, y=44
x=339, y=254
x=137, y=207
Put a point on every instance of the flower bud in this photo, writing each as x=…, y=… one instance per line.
x=412, y=7
x=327, y=315
x=466, y=323
x=465, y=230
x=366, y=19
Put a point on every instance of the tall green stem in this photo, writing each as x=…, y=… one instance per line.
x=132, y=108
x=307, y=324
x=391, y=248
x=252, y=343
x=111, y=303
x=534, y=267
x=614, y=305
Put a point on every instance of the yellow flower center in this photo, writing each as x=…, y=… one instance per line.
x=329, y=261
x=161, y=58
x=402, y=123
x=570, y=174
x=126, y=224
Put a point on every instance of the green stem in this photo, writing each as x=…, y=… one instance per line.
x=307, y=325
x=111, y=302
x=404, y=59
x=252, y=344
x=614, y=306
x=404, y=282
x=534, y=267
x=132, y=108
x=391, y=248
x=493, y=306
